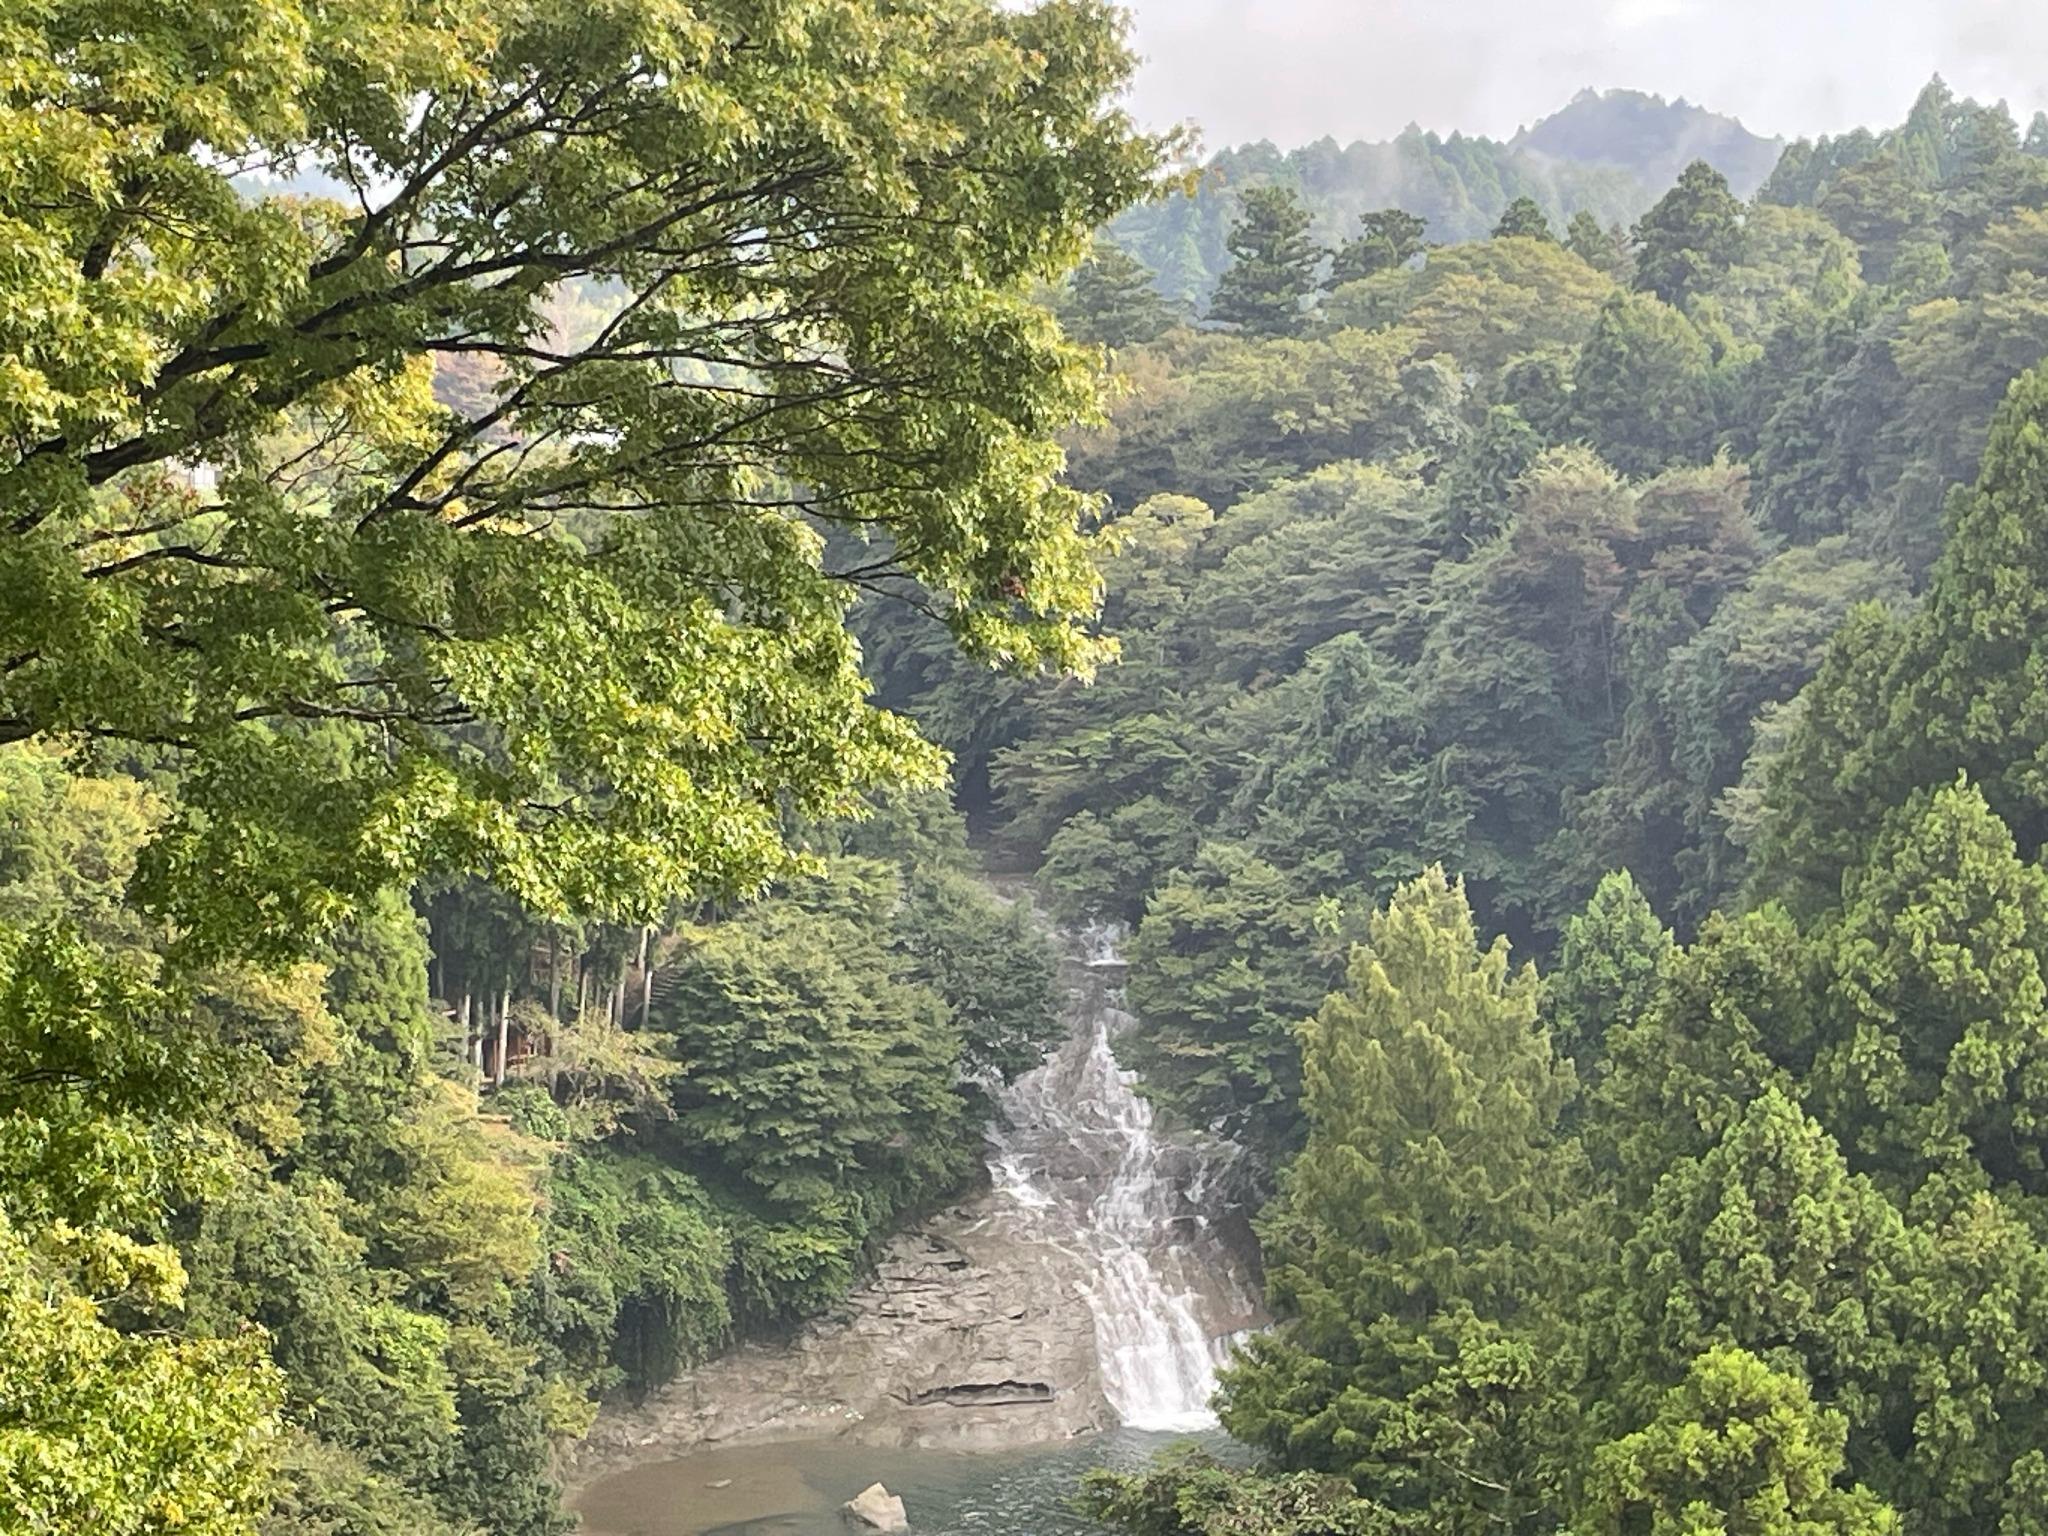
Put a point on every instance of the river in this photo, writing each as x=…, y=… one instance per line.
x=795, y=1488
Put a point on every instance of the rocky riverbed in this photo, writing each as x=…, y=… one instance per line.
x=1092, y=1283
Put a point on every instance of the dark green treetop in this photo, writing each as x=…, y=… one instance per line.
x=1272, y=275
x=1523, y=219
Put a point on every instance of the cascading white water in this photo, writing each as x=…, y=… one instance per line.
x=1079, y=1162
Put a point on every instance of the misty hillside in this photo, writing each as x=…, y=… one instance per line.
x=1611, y=153
x=1651, y=138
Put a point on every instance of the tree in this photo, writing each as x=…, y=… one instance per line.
x=577, y=634
x=1112, y=300
x=1934, y=1041
x=1691, y=236
x=1643, y=388
x=1272, y=276
x=1523, y=219
x=1607, y=969
x=127, y=1433
x=1905, y=705
x=1738, y=1449
x=1419, y=1241
x=1604, y=250
x=1479, y=487
x=1486, y=303
x=1769, y=1243
x=1387, y=239
x=816, y=1093
x=1225, y=967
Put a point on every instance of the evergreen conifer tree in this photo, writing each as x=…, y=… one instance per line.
x=1524, y=219
x=1387, y=239
x=1693, y=234
x=1112, y=301
x=1607, y=967
x=1419, y=1251
x=1272, y=275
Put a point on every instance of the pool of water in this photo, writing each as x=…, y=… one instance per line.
x=795, y=1488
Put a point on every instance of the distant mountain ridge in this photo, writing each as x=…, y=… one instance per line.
x=1651, y=138
x=1612, y=153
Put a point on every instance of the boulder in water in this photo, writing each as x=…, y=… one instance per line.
x=878, y=1509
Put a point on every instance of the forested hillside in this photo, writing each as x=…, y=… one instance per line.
x=1606, y=154
x=1574, y=780
x=467, y=941
x=505, y=508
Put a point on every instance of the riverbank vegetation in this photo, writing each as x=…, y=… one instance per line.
x=467, y=939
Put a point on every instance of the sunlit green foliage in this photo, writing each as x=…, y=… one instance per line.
x=1416, y=1250
x=378, y=640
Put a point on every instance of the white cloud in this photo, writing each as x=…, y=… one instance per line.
x=1295, y=70
x=1629, y=14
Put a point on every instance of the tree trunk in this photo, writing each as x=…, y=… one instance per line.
x=462, y=1022
x=504, y=1021
x=646, y=975
x=554, y=973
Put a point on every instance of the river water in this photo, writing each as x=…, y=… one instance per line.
x=795, y=1488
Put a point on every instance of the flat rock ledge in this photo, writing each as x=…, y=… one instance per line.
x=963, y=1339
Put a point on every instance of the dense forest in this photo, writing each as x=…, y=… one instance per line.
x=467, y=941
x=1574, y=781
x=508, y=511
x=1607, y=154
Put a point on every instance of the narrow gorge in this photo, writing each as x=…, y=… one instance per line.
x=1095, y=1282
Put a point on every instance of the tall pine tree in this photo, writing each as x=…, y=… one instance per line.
x=1272, y=275
x=1419, y=1252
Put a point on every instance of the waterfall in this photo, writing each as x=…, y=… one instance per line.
x=1078, y=1162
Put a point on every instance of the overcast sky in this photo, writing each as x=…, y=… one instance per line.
x=1294, y=70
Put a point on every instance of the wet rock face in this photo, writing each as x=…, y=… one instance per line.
x=960, y=1340
x=1091, y=1284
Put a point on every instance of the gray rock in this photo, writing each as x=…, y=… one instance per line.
x=878, y=1509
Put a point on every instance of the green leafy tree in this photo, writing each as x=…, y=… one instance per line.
x=1386, y=239
x=1486, y=304
x=131, y=1433
x=1272, y=276
x=1643, y=391
x=1230, y=960
x=1690, y=238
x=1417, y=1246
x=1523, y=219
x=817, y=1087
x=1739, y=1449
x=1189, y=1492
x=577, y=635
